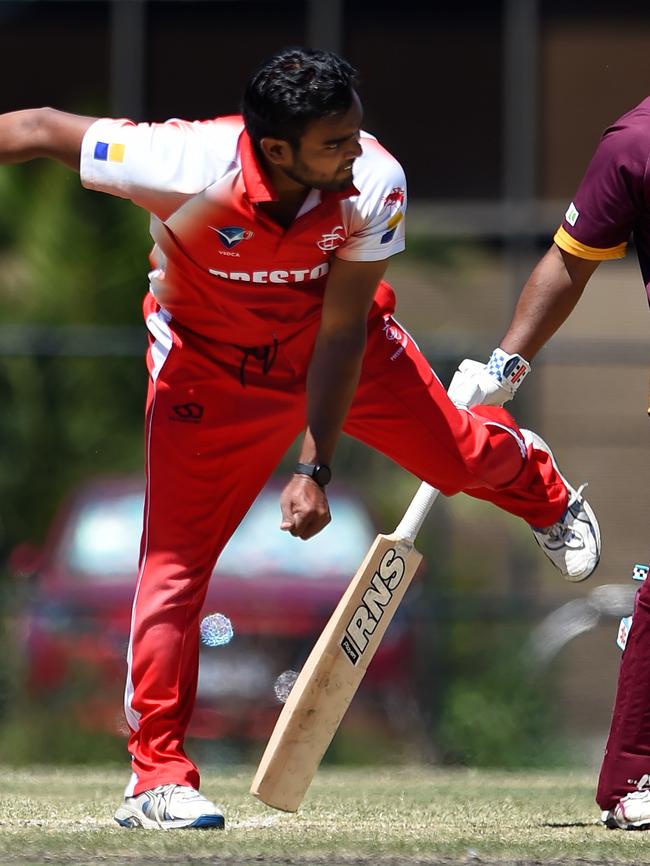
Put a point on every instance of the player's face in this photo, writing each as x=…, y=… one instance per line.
x=327, y=151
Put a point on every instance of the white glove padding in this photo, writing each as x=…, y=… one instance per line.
x=492, y=384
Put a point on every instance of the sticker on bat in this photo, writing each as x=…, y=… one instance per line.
x=375, y=600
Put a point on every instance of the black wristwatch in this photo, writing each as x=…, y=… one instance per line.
x=321, y=473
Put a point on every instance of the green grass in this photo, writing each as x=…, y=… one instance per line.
x=363, y=816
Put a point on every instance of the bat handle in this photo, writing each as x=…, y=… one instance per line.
x=410, y=524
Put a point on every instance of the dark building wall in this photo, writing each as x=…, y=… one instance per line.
x=431, y=86
x=200, y=54
x=430, y=73
x=54, y=54
x=430, y=81
x=594, y=67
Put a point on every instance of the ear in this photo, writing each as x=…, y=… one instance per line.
x=277, y=151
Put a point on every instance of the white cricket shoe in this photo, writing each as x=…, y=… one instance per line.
x=631, y=812
x=573, y=543
x=169, y=807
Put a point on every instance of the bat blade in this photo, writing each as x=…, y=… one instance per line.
x=332, y=673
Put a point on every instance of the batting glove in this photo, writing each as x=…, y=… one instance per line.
x=492, y=384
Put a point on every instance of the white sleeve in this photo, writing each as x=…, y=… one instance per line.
x=158, y=166
x=376, y=215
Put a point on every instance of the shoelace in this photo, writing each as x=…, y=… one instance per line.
x=577, y=496
x=159, y=806
x=560, y=533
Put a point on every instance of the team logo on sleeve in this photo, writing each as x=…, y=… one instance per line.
x=391, y=226
x=572, y=214
x=394, y=197
x=230, y=236
x=109, y=152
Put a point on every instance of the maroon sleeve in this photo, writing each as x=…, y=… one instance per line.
x=601, y=217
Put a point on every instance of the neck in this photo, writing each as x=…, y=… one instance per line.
x=287, y=189
x=290, y=196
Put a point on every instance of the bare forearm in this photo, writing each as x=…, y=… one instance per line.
x=42, y=132
x=550, y=294
x=331, y=382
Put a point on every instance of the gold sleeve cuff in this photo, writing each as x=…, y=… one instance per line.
x=595, y=254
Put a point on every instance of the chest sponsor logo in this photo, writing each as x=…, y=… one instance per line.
x=230, y=236
x=331, y=240
x=299, y=275
x=375, y=600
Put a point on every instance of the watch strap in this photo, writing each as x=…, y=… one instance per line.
x=318, y=472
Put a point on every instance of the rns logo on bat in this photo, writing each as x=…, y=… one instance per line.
x=375, y=600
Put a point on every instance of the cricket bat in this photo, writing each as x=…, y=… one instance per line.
x=331, y=675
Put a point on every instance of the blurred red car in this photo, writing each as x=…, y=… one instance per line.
x=277, y=592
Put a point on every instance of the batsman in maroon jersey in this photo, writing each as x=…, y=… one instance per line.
x=611, y=205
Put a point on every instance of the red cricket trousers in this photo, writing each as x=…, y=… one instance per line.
x=218, y=421
x=626, y=765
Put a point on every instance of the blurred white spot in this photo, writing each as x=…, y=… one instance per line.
x=575, y=618
x=284, y=684
x=216, y=630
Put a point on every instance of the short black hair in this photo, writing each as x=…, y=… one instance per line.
x=293, y=88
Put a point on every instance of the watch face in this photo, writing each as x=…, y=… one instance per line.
x=322, y=475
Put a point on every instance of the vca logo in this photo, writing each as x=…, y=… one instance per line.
x=374, y=601
x=230, y=236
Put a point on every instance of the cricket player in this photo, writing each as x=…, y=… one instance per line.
x=611, y=204
x=268, y=315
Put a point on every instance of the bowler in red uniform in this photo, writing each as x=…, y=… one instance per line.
x=268, y=315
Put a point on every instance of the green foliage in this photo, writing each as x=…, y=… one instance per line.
x=68, y=257
x=53, y=738
x=496, y=714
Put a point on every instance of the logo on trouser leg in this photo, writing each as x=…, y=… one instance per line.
x=642, y=784
x=190, y=413
x=395, y=334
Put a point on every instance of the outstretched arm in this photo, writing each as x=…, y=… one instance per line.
x=331, y=383
x=550, y=294
x=546, y=301
x=42, y=132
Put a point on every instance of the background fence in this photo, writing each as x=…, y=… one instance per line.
x=494, y=109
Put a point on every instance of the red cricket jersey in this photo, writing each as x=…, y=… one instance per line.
x=221, y=267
